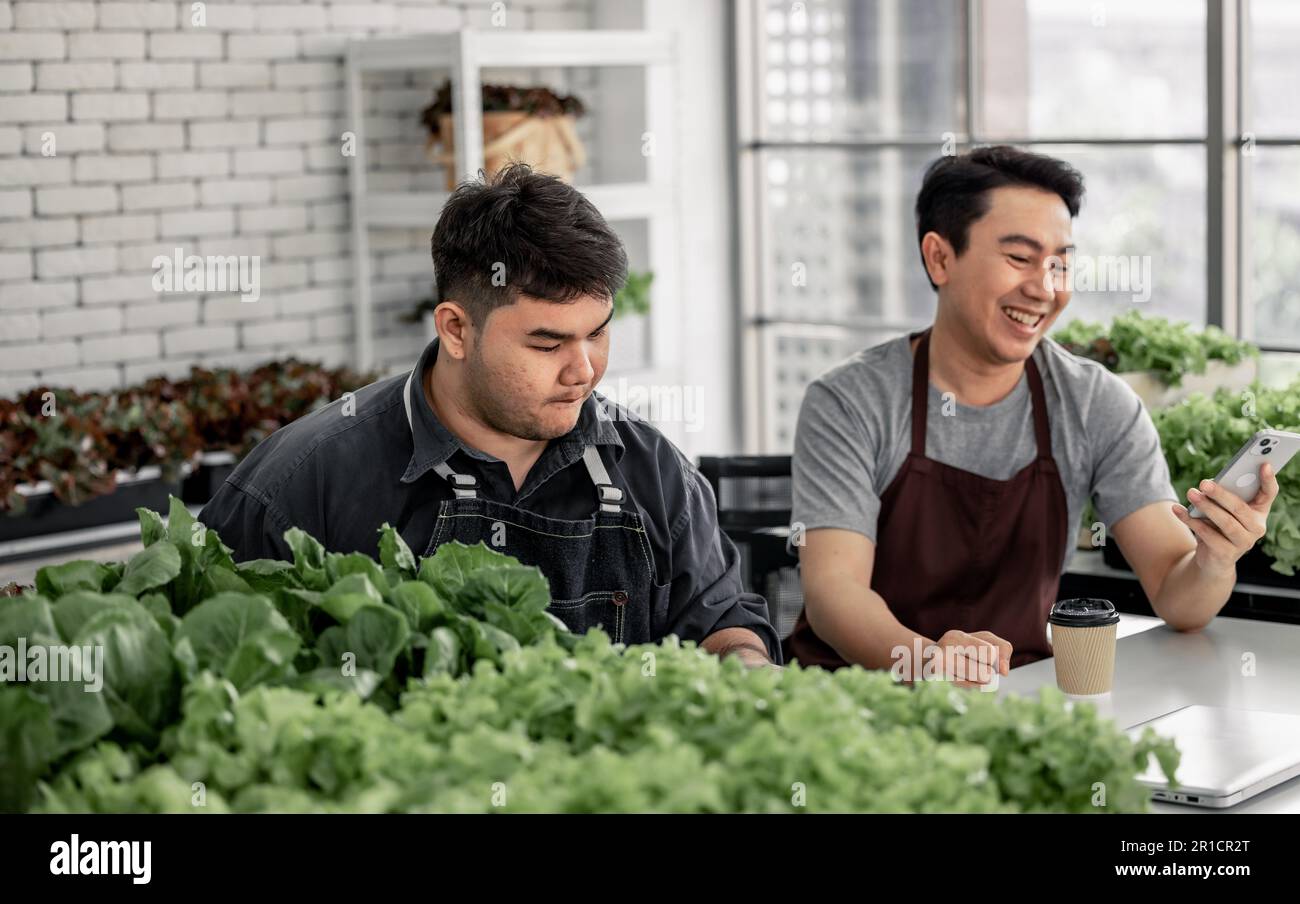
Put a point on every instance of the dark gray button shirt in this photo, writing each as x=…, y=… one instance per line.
x=345, y=469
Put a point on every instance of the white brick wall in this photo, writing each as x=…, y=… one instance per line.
x=128, y=131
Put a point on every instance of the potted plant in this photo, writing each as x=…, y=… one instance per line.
x=1164, y=362
x=533, y=125
x=72, y=460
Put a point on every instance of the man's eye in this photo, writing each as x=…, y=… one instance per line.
x=545, y=348
x=1018, y=259
x=600, y=332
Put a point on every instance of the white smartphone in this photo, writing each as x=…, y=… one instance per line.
x=1240, y=476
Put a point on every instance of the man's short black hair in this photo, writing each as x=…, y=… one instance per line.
x=954, y=192
x=522, y=232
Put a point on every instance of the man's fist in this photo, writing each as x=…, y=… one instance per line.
x=970, y=660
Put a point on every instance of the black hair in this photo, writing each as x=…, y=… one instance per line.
x=522, y=232
x=954, y=192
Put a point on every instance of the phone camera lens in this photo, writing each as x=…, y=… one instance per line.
x=1265, y=450
x=1265, y=441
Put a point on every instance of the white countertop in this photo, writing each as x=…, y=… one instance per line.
x=1158, y=670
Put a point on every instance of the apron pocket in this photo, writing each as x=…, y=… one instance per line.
x=605, y=609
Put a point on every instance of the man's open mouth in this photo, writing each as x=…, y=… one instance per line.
x=1027, y=319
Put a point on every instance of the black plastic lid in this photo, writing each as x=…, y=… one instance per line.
x=1083, y=613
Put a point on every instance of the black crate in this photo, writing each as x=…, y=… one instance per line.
x=207, y=477
x=1255, y=567
x=46, y=514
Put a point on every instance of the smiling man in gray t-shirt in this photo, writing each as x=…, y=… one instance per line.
x=939, y=478
x=855, y=432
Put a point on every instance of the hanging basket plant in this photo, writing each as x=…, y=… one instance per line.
x=530, y=125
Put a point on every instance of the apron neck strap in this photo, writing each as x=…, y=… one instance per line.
x=920, y=392
x=1042, y=432
x=610, y=496
x=921, y=398
x=465, y=486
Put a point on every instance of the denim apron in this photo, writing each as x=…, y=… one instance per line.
x=600, y=568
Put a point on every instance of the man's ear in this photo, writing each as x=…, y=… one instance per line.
x=938, y=256
x=454, y=325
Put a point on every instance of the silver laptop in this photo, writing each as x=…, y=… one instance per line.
x=1229, y=755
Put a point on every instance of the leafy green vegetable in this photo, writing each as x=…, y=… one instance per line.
x=394, y=553
x=154, y=566
x=1202, y=433
x=337, y=683
x=73, y=610
x=54, y=581
x=140, y=681
x=1134, y=342
x=553, y=730
x=28, y=745
x=240, y=637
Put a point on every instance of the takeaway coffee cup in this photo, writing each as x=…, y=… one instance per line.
x=1083, y=643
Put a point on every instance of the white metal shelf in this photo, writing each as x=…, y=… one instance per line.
x=626, y=201
x=502, y=47
x=464, y=55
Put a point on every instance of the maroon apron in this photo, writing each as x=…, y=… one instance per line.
x=957, y=550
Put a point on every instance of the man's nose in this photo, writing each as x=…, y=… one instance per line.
x=1044, y=286
x=579, y=369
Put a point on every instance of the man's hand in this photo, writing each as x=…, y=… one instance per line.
x=1231, y=526
x=742, y=643
x=971, y=660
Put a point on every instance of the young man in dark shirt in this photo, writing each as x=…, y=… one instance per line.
x=498, y=436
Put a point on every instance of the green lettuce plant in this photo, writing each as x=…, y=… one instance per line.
x=1202, y=433
x=1134, y=342
x=341, y=683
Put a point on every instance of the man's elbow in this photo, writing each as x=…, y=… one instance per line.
x=1188, y=626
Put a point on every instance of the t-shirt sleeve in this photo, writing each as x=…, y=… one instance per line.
x=1129, y=467
x=834, y=466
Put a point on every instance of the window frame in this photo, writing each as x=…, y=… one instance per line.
x=1227, y=186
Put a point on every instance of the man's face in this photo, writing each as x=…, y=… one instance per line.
x=1008, y=287
x=534, y=363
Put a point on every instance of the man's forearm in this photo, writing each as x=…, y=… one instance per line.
x=856, y=622
x=1190, y=597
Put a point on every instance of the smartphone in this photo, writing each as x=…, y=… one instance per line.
x=1240, y=476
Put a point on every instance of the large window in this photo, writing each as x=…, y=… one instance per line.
x=1183, y=116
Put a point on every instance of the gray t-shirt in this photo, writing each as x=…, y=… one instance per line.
x=855, y=431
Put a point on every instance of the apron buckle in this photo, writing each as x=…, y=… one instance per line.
x=465, y=486
x=611, y=497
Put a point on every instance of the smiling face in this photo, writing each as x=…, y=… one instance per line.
x=1008, y=286
x=534, y=363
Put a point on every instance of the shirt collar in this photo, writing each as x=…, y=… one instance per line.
x=434, y=443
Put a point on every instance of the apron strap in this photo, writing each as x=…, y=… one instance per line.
x=610, y=496
x=1042, y=432
x=921, y=390
x=465, y=486
x=406, y=400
